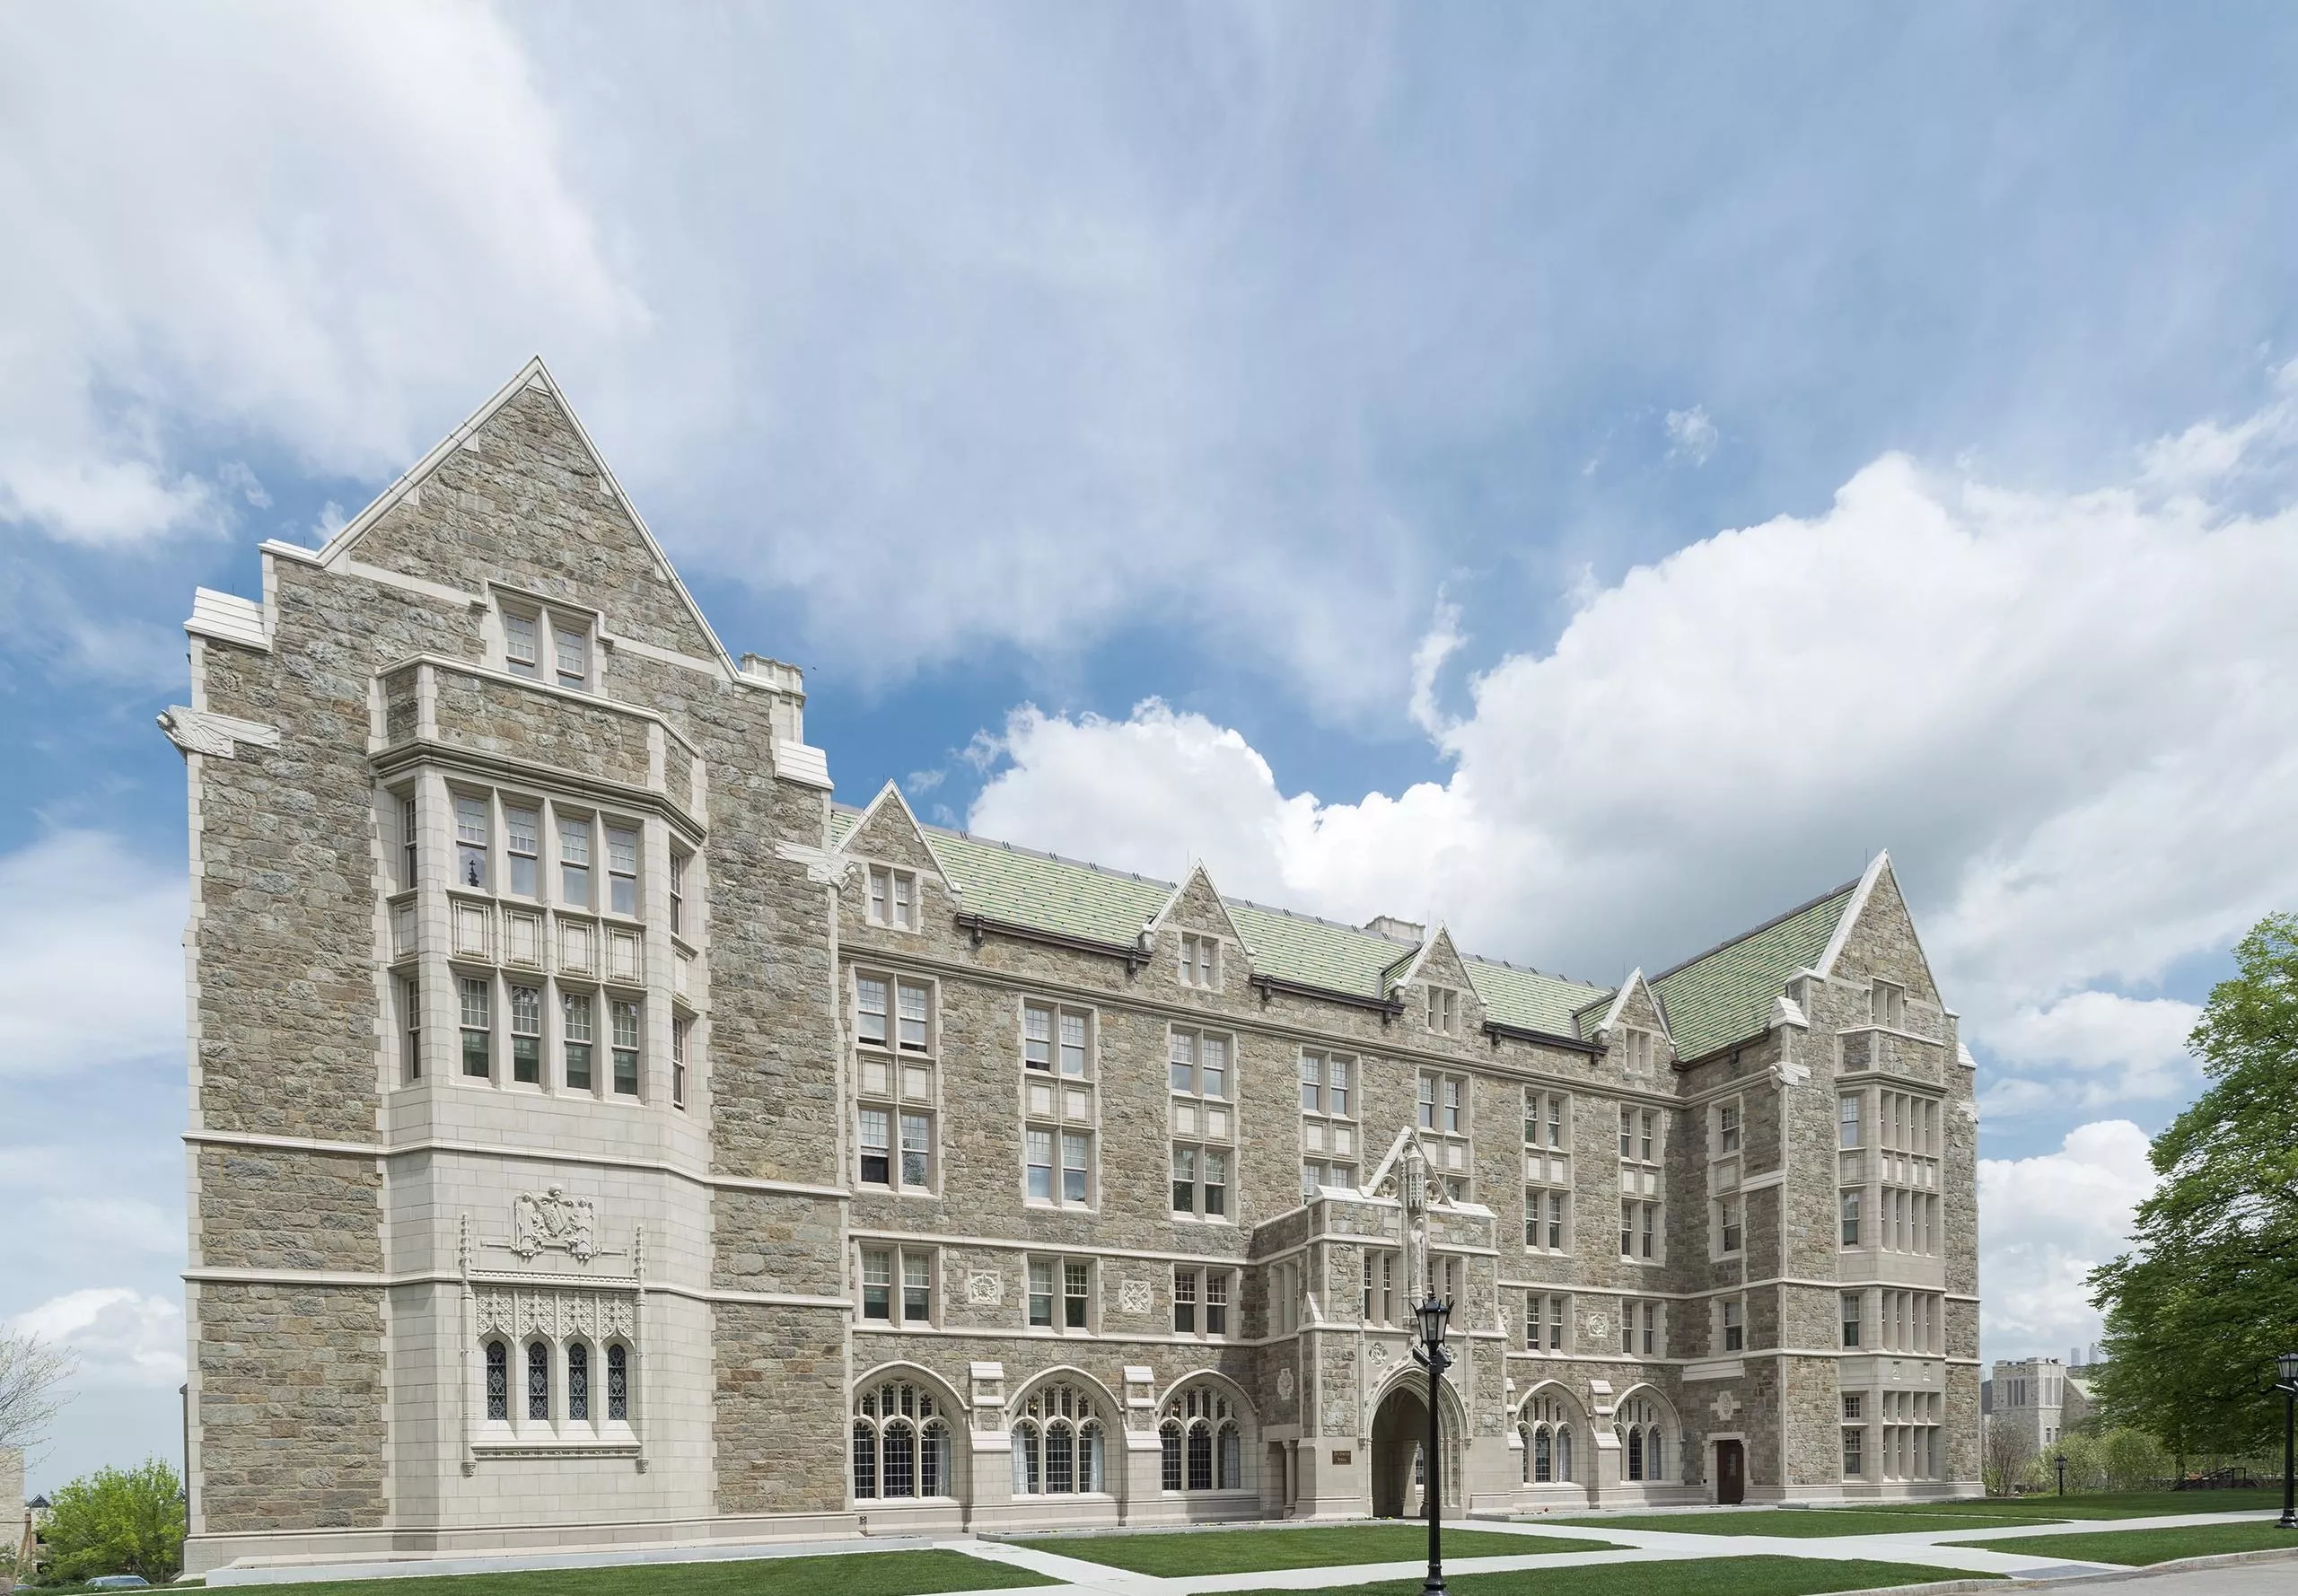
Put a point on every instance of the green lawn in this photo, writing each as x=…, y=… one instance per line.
x=863, y=1574
x=2138, y=1549
x=1707, y=1577
x=1325, y=1546
x=1800, y=1524
x=2102, y=1505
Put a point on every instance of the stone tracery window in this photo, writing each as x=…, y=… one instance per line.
x=1058, y=1442
x=1545, y=1427
x=1638, y=1423
x=1201, y=1440
x=498, y=1382
x=901, y=1443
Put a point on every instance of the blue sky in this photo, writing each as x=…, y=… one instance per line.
x=1592, y=475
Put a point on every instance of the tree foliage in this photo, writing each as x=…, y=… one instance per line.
x=2198, y=1311
x=117, y=1520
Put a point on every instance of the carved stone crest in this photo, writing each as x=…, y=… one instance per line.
x=1132, y=1297
x=1598, y=1325
x=986, y=1288
x=1284, y=1384
x=553, y=1223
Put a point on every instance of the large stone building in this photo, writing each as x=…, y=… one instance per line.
x=600, y=1137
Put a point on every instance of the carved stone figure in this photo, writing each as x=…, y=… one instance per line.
x=553, y=1222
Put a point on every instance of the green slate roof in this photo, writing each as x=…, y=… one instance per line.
x=1713, y=1000
x=1005, y=882
x=1726, y=994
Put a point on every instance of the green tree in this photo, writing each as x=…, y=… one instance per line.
x=2198, y=1310
x=117, y=1520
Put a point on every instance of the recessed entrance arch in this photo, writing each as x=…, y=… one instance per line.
x=1399, y=1431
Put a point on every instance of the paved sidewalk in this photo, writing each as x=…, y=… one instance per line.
x=1921, y=1547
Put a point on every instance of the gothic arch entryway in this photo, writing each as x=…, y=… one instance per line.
x=1399, y=1429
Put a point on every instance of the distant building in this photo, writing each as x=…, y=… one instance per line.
x=2041, y=1398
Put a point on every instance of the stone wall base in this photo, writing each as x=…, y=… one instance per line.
x=290, y=1548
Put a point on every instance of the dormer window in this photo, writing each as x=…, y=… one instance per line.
x=1887, y=1005
x=1201, y=962
x=545, y=644
x=1635, y=1049
x=1444, y=1011
x=893, y=897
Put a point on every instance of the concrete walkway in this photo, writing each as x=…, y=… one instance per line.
x=1925, y=1548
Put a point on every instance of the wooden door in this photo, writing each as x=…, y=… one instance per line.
x=1730, y=1472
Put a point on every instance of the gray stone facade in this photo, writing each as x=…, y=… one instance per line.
x=599, y=1137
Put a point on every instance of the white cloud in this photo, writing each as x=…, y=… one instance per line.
x=2107, y=1049
x=325, y=225
x=122, y=1336
x=1692, y=435
x=91, y=956
x=2045, y=1222
x=2066, y=714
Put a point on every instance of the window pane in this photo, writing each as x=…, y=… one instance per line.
x=916, y=1148
x=1311, y=1084
x=1213, y=1066
x=1074, y=1155
x=914, y=999
x=1183, y=1055
x=1037, y=1037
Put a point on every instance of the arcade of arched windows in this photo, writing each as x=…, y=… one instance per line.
x=1059, y=1440
x=1643, y=1426
x=1546, y=1426
x=1201, y=1435
x=901, y=1443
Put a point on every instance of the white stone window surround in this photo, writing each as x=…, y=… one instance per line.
x=1444, y=1111
x=1646, y=1427
x=1060, y=1295
x=1547, y=1171
x=1204, y=1302
x=510, y=940
x=1729, y=1226
x=1544, y=1424
x=1200, y=960
x=1639, y=1049
x=1332, y=1090
x=1060, y=1437
x=1204, y=1445
x=1643, y=1327
x=1381, y=1274
x=1643, y=1184
x=1548, y=1321
x=548, y=624
x=606, y=1354
x=890, y=897
x=1729, y=1328
x=1201, y=1110
x=897, y=1287
x=1444, y=1010
x=897, y=1081
x=901, y=1448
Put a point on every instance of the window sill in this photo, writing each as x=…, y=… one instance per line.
x=914, y=1193
x=1220, y=1219
x=1045, y=1206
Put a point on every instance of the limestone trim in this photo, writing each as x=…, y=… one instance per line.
x=1640, y=1292
x=379, y=1282
x=222, y=1138
x=402, y=757
x=549, y=689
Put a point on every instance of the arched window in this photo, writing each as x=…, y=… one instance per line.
x=539, y=1381
x=901, y=1443
x=619, y=1384
x=1202, y=1439
x=1643, y=1436
x=1545, y=1427
x=578, y=1382
x=498, y=1382
x=1058, y=1443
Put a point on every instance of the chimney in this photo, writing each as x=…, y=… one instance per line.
x=1397, y=930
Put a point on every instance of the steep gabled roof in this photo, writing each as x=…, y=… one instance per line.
x=534, y=374
x=1048, y=893
x=1724, y=995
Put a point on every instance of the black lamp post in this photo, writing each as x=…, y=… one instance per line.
x=2062, y=1474
x=2286, y=1365
x=1431, y=1355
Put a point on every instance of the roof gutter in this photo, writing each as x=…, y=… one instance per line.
x=1388, y=1008
x=1541, y=1039
x=981, y=926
